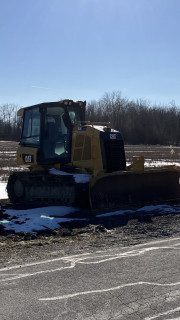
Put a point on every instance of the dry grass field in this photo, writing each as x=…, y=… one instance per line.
x=151, y=154
x=7, y=158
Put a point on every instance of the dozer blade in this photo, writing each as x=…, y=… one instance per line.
x=121, y=188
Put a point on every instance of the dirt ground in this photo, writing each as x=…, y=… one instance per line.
x=26, y=247
x=75, y=239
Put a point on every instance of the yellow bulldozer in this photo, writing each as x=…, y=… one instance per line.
x=81, y=163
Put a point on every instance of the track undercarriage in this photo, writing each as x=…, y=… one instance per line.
x=109, y=191
x=43, y=188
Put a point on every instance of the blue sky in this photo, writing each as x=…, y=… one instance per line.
x=80, y=49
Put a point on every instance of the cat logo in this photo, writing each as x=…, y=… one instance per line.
x=112, y=136
x=81, y=128
x=28, y=158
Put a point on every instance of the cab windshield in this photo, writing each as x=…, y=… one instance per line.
x=48, y=127
x=56, y=134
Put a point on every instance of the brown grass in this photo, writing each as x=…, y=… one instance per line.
x=169, y=153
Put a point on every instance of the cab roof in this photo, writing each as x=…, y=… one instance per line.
x=65, y=102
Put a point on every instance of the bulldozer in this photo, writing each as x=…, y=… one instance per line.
x=73, y=162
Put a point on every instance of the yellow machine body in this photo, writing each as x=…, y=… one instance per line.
x=85, y=151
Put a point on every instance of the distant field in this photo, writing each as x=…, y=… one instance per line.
x=168, y=153
x=152, y=154
x=7, y=157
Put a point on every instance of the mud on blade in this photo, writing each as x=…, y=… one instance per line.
x=122, y=188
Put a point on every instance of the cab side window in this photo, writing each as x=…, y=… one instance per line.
x=31, y=127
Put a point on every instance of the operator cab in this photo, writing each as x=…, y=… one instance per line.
x=48, y=127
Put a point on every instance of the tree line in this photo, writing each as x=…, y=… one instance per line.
x=139, y=121
x=10, y=124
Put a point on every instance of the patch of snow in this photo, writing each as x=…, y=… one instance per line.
x=33, y=220
x=101, y=127
x=78, y=177
x=4, y=221
x=3, y=192
x=59, y=172
x=115, y=213
x=157, y=163
x=161, y=209
x=8, y=152
x=10, y=168
x=81, y=178
x=160, y=163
